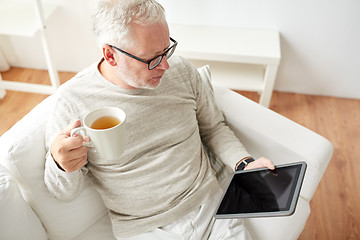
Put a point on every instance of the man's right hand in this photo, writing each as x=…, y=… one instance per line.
x=67, y=151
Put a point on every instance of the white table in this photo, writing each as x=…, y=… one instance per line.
x=241, y=59
x=25, y=19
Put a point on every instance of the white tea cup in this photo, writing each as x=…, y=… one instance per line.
x=106, y=128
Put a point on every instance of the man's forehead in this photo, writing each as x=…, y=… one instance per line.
x=152, y=39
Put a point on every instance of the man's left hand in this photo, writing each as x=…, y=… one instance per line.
x=260, y=163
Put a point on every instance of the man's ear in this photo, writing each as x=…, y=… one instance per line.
x=108, y=53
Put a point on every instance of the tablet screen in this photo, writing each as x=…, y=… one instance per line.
x=263, y=192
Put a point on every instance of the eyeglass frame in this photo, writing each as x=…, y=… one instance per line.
x=149, y=61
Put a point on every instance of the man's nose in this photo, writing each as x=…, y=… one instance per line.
x=164, y=65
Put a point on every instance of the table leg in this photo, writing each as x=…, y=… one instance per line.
x=269, y=81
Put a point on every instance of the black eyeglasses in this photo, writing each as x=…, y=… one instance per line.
x=154, y=62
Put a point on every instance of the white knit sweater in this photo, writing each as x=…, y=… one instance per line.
x=164, y=172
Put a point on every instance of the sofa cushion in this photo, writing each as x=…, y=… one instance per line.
x=17, y=220
x=205, y=75
x=22, y=151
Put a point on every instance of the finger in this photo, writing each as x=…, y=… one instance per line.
x=270, y=165
x=264, y=162
x=72, y=143
x=77, y=164
x=77, y=153
x=86, y=139
x=67, y=150
x=67, y=160
x=70, y=127
x=260, y=163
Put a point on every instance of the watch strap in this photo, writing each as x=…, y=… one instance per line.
x=243, y=163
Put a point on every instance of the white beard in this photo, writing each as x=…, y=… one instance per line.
x=136, y=83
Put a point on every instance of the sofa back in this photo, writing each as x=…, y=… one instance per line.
x=22, y=152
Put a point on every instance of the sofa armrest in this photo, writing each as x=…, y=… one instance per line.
x=280, y=228
x=266, y=133
x=22, y=152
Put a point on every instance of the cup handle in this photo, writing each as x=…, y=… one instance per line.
x=81, y=130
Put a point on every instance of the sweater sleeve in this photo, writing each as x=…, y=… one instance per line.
x=214, y=132
x=62, y=185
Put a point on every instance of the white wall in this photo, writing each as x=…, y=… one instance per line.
x=72, y=44
x=320, y=39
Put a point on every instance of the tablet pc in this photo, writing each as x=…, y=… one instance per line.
x=262, y=192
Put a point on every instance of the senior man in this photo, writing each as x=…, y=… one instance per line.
x=162, y=186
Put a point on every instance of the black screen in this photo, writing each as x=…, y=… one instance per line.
x=260, y=191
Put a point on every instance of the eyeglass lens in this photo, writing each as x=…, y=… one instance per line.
x=155, y=62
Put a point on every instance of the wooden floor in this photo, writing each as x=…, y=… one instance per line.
x=335, y=208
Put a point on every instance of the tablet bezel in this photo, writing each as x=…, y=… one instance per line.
x=288, y=212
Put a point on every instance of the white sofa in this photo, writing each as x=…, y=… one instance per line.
x=28, y=211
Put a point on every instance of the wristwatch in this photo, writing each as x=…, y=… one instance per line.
x=244, y=163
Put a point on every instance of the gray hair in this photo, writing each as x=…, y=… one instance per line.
x=112, y=19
